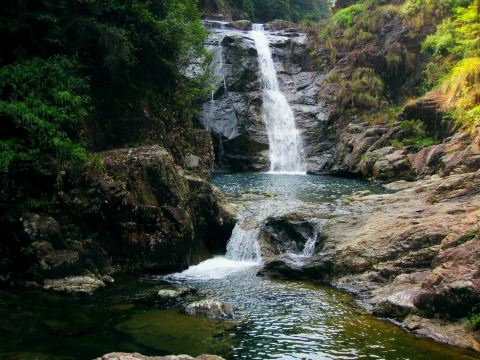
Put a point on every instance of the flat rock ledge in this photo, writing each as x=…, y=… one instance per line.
x=136, y=356
x=74, y=284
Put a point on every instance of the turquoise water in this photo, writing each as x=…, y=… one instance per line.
x=306, y=188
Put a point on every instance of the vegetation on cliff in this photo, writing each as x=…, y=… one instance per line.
x=386, y=53
x=77, y=76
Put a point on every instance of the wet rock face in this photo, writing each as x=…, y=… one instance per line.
x=234, y=112
x=141, y=213
x=287, y=235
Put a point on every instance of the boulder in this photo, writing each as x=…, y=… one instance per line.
x=39, y=228
x=211, y=309
x=74, y=284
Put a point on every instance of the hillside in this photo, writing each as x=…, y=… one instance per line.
x=410, y=68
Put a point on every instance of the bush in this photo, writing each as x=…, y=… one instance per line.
x=414, y=133
x=462, y=89
x=345, y=17
x=365, y=88
x=474, y=321
x=41, y=103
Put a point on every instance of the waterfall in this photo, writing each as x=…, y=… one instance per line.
x=222, y=73
x=283, y=136
x=243, y=244
x=309, y=248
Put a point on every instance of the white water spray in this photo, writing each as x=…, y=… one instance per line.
x=284, y=138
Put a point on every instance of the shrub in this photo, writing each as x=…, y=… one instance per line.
x=414, y=134
x=462, y=89
x=41, y=103
x=365, y=88
x=474, y=321
x=345, y=17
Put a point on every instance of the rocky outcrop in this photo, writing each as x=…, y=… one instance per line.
x=139, y=211
x=136, y=356
x=412, y=255
x=337, y=139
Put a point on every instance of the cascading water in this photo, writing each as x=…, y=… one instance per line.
x=243, y=251
x=284, y=138
x=243, y=244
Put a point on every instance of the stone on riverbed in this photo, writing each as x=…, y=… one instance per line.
x=74, y=284
x=211, y=309
x=170, y=293
x=136, y=356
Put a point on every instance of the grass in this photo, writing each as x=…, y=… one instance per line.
x=346, y=16
x=474, y=321
x=414, y=134
x=462, y=89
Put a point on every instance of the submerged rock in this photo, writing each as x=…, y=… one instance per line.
x=211, y=309
x=136, y=356
x=169, y=293
x=74, y=284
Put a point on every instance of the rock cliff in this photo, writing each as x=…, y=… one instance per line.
x=137, y=211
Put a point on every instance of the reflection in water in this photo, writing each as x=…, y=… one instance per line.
x=306, y=188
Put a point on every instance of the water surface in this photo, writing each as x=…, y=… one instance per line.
x=277, y=319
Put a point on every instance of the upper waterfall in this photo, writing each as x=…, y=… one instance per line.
x=284, y=138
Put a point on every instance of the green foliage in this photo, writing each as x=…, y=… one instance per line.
x=454, y=69
x=458, y=36
x=462, y=88
x=474, y=321
x=383, y=115
x=106, y=71
x=345, y=17
x=414, y=133
x=41, y=103
x=364, y=89
x=268, y=10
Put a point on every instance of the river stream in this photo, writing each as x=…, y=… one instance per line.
x=277, y=319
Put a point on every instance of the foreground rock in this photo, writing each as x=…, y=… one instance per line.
x=211, y=309
x=136, y=356
x=74, y=284
x=414, y=252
